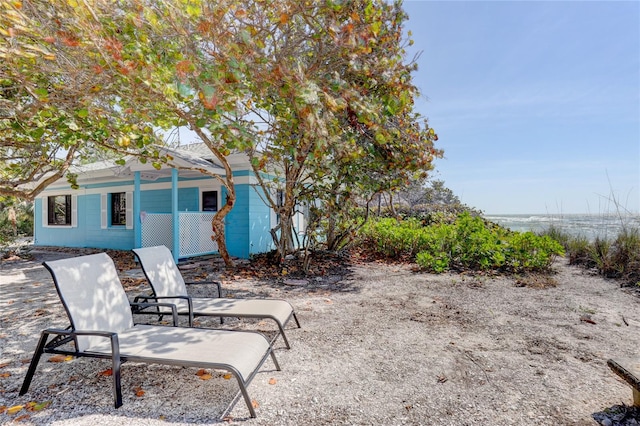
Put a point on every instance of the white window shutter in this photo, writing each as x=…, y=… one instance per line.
x=103, y=211
x=129, y=209
x=45, y=212
x=74, y=211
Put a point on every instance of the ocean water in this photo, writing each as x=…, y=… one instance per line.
x=591, y=226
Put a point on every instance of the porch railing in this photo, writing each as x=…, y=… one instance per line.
x=195, y=232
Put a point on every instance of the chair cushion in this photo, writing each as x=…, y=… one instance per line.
x=92, y=295
x=195, y=347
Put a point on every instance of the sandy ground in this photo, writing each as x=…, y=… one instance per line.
x=379, y=345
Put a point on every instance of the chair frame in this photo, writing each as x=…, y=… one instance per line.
x=52, y=339
x=194, y=314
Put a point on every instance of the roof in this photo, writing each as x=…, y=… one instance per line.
x=190, y=160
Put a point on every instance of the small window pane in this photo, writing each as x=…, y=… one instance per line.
x=59, y=210
x=118, y=209
x=210, y=201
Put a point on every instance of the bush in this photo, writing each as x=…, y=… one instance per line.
x=470, y=243
x=16, y=219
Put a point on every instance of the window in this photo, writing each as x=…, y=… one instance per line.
x=59, y=210
x=210, y=201
x=118, y=208
x=280, y=198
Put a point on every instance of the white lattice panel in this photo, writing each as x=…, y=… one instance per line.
x=157, y=230
x=195, y=234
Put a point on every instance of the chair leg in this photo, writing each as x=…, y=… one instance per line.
x=115, y=370
x=245, y=395
x=275, y=361
x=34, y=362
x=284, y=336
x=296, y=318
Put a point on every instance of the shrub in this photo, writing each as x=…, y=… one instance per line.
x=470, y=243
x=528, y=251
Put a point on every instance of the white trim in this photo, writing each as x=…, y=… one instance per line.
x=209, y=188
x=45, y=210
x=74, y=211
x=242, y=180
x=129, y=209
x=104, y=205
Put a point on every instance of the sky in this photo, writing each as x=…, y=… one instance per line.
x=536, y=103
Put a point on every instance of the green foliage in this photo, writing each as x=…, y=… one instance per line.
x=16, y=219
x=469, y=243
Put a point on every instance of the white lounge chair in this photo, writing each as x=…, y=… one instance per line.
x=168, y=285
x=102, y=327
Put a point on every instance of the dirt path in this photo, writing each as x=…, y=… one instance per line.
x=379, y=345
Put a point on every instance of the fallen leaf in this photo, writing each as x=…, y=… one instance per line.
x=227, y=376
x=5, y=364
x=60, y=358
x=5, y=374
x=138, y=391
x=22, y=417
x=201, y=372
x=107, y=372
x=25, y=360
x=206, y=377
x=227, y=419
x=587, y=318
x=37, y=406
x=254, y=403
x=3, y=408
x=14, y=409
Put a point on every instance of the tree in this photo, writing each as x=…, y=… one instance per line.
x=316, y=92
x=336, y=102
x=147, y=65
x=51, y=108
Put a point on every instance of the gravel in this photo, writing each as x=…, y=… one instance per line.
x=379, y=344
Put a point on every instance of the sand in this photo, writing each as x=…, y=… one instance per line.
x=380, y=344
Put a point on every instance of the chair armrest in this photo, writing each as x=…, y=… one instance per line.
x=64, y=336
x=217, y=283
x=138, y=307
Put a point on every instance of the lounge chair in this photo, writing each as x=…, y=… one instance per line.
x=102, y=327
x=168, y=285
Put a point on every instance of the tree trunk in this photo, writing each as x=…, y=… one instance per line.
x=217, y=226
x=285, y=243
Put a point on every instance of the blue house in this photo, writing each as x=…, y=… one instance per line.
x=135, y=205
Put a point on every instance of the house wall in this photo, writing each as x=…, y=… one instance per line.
x=87, y=233
x=247, y=225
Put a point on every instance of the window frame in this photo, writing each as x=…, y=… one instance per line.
x=53, y=205
x=118, y=208
x=48, y=211
x=106, y=210
x=217, y=199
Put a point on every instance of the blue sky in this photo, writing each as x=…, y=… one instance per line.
x=536, y=104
